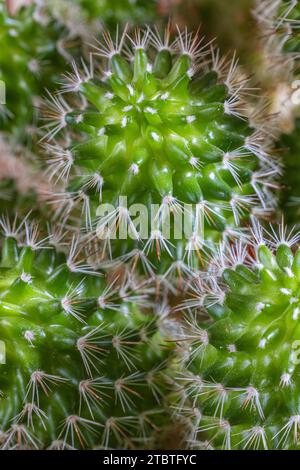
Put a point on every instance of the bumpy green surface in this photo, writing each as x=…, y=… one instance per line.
x=34, y=46
x=242, y=386
x=27, y=56
x=158, y=132
x=83, y=365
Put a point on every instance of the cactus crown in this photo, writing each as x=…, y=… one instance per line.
x=161, y=124
x=241, y=373
x=81, y=359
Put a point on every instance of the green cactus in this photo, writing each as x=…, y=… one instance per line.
x=275, y=59
x=164, y=129
x=239, y=386
x=288, y=143
x=82, y=357
x=29, y=49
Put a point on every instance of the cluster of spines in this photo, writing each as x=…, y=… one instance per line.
x=30, y=47
x=184, y=106
x=238, y=387
x=278, y=22
x=282, y=47
x=84, y=366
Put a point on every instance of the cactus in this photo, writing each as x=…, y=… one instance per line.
x=275, y=60
x=239, y=383
x=82, y=360
x=289, y=141
x=29, y=48
x=280, y=62
x=167, y=131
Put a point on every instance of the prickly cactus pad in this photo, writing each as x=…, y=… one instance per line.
x=240, y=389
x=81, y=365
x=28, y=51
x=158, y=126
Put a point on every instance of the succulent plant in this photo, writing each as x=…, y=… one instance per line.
x=280, y=62
x=158, y=126
x=29, y=48
x=239, y=385
x=275, y=59
x=82, y=356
